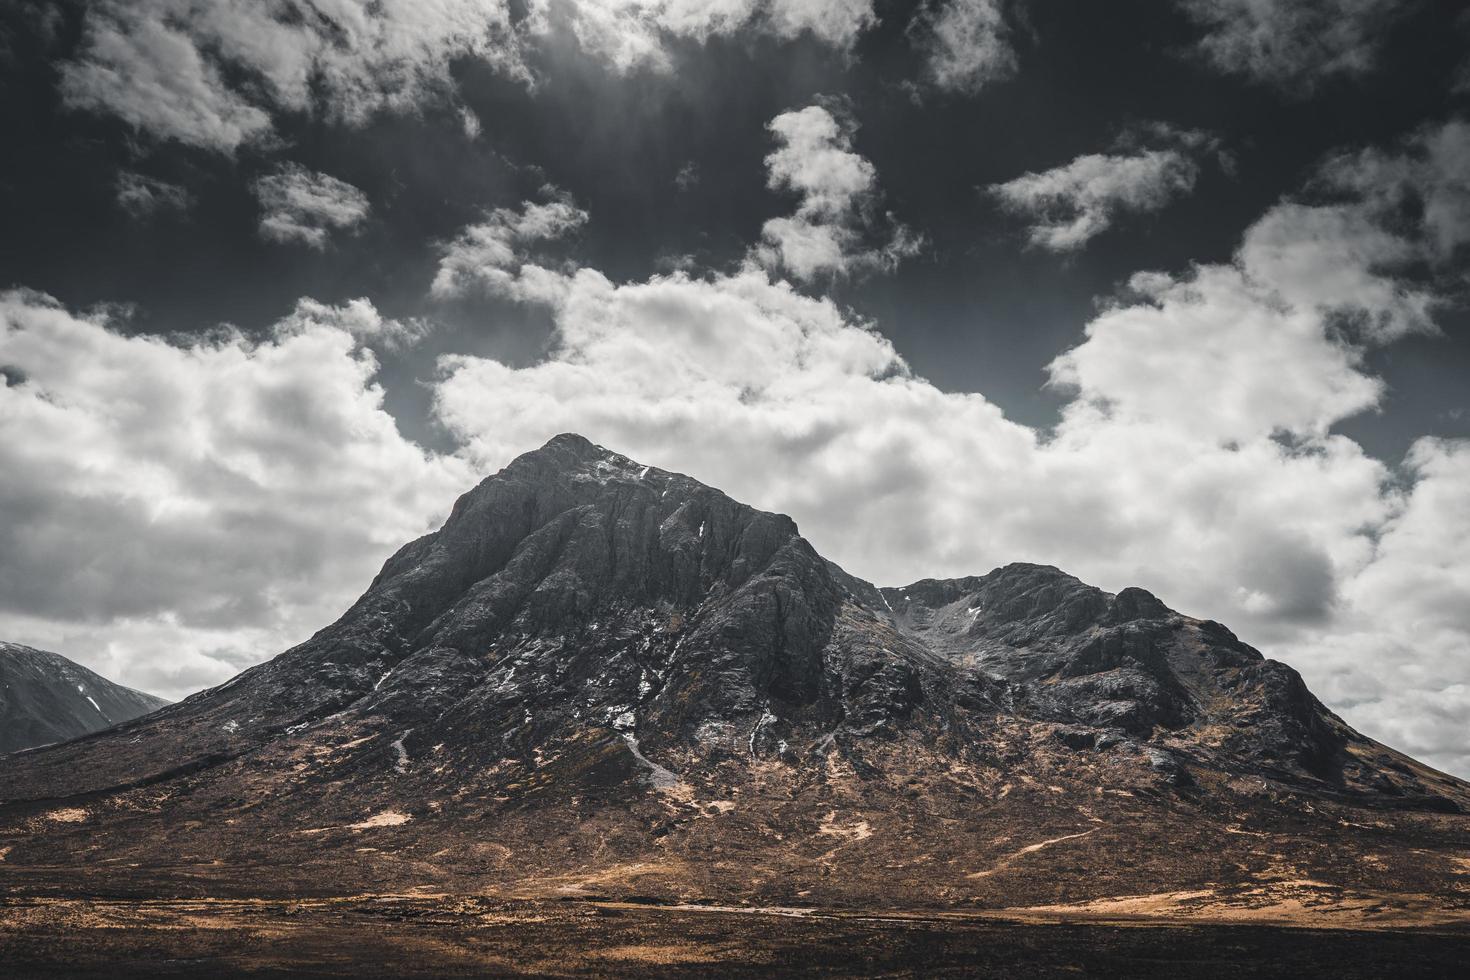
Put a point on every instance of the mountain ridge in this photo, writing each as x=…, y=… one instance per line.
x=46, y=698
x=601, y=675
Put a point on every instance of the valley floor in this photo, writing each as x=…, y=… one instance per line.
x=436, y=935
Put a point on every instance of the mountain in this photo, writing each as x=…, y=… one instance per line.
x=601, y=678
x=47, y=698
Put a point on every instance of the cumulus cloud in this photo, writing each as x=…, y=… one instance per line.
x=300, y=205
x=1396, y=658
x=172, y=513
x=141, y=196
x=216, y=73
x=212, y=73
x=1070, y=204
x=489, y=255
x=634, y=34
x=899, y=479
x=966, y=43
x=1293, y=44
x=836, y=229
x=1429, y=178
x=358, y=318
x=1195, y=457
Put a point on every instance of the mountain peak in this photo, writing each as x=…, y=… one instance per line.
x=600, y=658
x=568, y=446
x=570, y=458
x=45, y=698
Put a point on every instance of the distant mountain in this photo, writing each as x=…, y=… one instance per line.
x=600, y=677
x=46, y=698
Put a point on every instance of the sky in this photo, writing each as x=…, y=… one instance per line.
x=1169, y=293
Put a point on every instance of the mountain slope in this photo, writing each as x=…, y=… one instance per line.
x=603, y=677
x=47, y=698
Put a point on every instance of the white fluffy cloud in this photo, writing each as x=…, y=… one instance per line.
x=300, y=205
x=633, y=34
x=357, y=318
x=1431, y=173
x=172, y=513
x=1395, y=658
x=216, y=73
x=1293, y=44
x=1196, y=456
x=212, y=73
x=898, y=479
x=1070, y=204
x=966, y=43
x=489, y=255
x=836, y=229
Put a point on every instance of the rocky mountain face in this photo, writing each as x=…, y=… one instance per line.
x=47, y=698
x=601, y=677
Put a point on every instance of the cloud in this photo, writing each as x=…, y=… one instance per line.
x=222, y=499
x=300, y=205
x=966, y=44
x=213, y=73
x=1071, y=204
x=141, y=196
x=1294, y=45
x=834, y=228
x=154, y=77
x=899, y=479
x=1196, y=455
x=1428, y=177
x=217, y=73
x=469, y=122
x=357, y=318
x=1395, y=658
x=488, y=255
x=171, y=513
x=633, y=34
